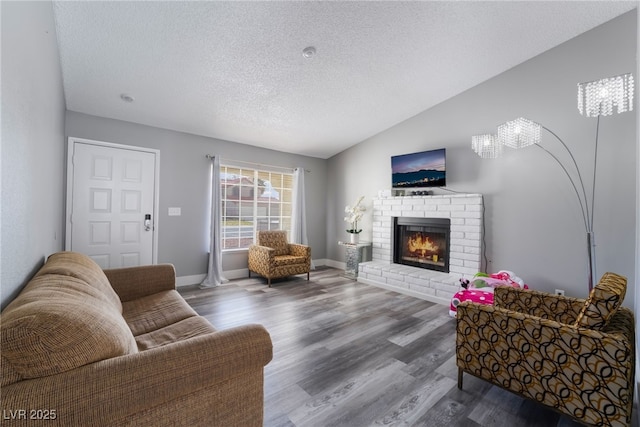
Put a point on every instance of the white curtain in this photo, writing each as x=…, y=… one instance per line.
x=214, y=272
x=298, y=214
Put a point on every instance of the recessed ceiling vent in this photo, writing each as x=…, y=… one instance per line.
x=308, y=52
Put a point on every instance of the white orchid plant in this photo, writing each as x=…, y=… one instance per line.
x=354, y=214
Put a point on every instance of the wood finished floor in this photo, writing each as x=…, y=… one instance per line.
x=350, y=354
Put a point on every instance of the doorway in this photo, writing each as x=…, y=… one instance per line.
x=112, y=202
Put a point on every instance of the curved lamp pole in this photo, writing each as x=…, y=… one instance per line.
x=595, y=99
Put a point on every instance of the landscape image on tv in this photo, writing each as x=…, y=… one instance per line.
x=423, y=169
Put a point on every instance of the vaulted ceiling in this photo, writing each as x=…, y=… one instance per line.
x=236, y=70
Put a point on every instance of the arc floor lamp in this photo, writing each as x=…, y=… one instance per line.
x=595, y=99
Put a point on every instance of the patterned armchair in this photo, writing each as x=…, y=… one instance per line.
x=273, y=257
x=575, y=356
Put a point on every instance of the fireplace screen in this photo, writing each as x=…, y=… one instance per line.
x=422, y=242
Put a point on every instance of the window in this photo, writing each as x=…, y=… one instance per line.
x=253, y=200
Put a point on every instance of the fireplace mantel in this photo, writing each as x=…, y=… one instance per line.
x=464, y=211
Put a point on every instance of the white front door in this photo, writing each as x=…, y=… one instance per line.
x=112, y=203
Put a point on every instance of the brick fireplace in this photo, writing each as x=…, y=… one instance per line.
x=464, y=214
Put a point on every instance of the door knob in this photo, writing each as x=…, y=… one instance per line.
x=147, y=222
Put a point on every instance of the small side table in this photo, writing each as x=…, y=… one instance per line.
x=355, y=253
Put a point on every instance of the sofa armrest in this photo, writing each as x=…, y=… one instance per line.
x=540, y=304
x=260, y=259
x=622, y=325
x=135, y=282
x=111, y=391
x=297, y=249
x=262, y=251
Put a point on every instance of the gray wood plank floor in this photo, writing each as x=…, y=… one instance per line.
x=350, y=354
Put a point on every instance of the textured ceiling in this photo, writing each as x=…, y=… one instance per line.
x=235, y=70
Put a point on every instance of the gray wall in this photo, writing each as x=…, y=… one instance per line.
x=32, y=143
x=184, y=181
x=533, y=221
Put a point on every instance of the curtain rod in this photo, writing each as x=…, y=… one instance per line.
x=210, y=156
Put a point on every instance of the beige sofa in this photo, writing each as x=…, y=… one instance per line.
x=86, y=347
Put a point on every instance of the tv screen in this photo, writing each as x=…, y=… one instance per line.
x=423, y=169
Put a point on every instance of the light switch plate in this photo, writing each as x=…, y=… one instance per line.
x=175, y=212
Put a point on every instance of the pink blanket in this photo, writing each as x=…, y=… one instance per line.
x=480, y=289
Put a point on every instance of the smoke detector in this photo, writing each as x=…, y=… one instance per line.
x=126, y=98
x=308, y=52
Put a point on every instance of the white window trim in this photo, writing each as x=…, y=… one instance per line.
x=256, y=169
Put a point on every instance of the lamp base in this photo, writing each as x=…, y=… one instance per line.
x=591, y=252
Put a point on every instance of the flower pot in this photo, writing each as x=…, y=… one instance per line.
x=353, y=237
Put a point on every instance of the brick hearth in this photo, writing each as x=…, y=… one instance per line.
x=465, y=213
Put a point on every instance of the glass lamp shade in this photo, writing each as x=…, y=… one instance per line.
x=599, y=97
x=519, y=133
x=486, y=146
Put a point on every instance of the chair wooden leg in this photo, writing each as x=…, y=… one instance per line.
x=460, y=378
x=249, y=273
x=269, y=281
x=307, y=276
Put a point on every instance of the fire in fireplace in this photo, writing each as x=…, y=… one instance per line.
x=422, y=242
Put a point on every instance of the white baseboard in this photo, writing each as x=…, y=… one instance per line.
x=190, y=280
x=198, y=278
x=335, y=264
x=240, y=273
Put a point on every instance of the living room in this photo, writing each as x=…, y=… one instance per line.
x=532, y=220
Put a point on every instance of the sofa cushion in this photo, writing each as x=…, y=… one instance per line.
x=155, y=311
x=179, y=331
x=84, y=268
x=55, y=324
x=8, y=374
x=603, y=302
x=287, y=260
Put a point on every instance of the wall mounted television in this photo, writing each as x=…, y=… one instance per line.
x=416, y=170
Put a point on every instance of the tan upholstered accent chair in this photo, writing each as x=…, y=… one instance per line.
x=273, y=257
x=576, y=356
